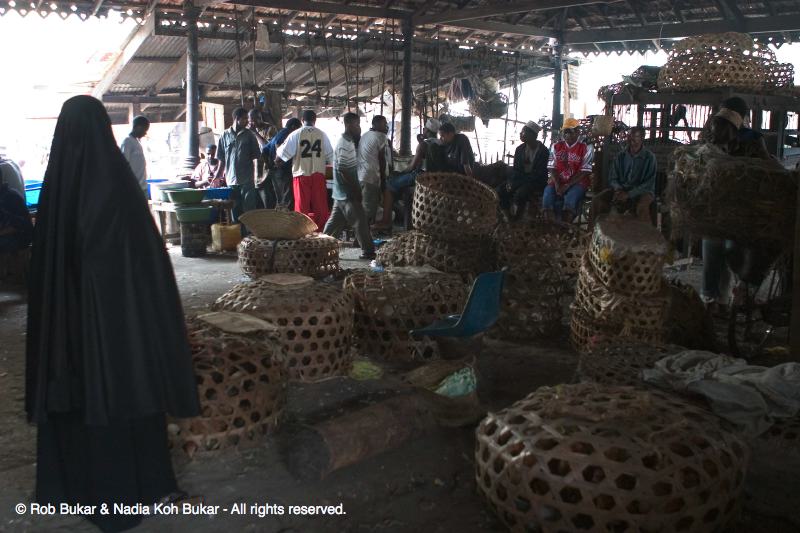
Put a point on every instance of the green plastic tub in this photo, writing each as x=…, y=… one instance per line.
x=186, y=196
x=194, y=214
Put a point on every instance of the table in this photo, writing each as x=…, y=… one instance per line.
x=161, y=209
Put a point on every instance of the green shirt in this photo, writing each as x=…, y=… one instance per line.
x=236, y=152
x=634, y=174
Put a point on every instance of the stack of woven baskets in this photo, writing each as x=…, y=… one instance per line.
x=453, y=217
x=621, y=291
x=724, y=60
x=536, y=258
x=286, y=242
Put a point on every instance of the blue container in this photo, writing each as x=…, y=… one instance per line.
x=32, y=192
x=220, y=193
x=149, y=195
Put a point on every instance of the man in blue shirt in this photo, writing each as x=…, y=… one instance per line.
x=631, y=180
x=237, y=151
x=279, y=177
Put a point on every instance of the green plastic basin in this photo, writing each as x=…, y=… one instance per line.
x=186, y=196
x=194, y=214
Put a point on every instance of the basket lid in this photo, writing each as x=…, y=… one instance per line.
x=286, y=279
x=278, y=224
x=231, y=322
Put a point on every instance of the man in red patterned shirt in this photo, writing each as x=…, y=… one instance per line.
x=570, y=174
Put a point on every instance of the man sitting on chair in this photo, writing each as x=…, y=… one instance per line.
x=632, y=180
x=529, y=176
x=570, y=174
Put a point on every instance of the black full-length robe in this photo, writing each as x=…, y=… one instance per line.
x=107, y=352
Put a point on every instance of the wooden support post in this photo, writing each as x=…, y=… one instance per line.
x=405, y=116
x=558, y=119
x=192, y=90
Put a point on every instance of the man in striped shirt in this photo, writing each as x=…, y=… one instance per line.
x=310, y=150
x=347, y=197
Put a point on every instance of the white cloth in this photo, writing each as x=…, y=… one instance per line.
x=134, y=153
x=746, y=395
x=309, y=149
x=370, y=145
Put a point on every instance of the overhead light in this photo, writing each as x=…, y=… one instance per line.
x=12, y=3
x=53, y=6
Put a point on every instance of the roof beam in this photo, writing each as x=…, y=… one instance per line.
x=523, y=6
x=176, y=68
x=674, y=31
x=504, y=27
x=309, y=6
x=134, y=41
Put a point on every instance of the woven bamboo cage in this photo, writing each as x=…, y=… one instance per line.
x=625, y=311
x=628, y=256
x=314, y=321
x=414, y=248
x=747, y=199
x=315, y=255
x=541, y=242
x=621, y=363
x=725, y=60
x=453, y=207
x=600, y=458
x=241, y=382
x=587, y=333
x=528, y=316
x=389, y=304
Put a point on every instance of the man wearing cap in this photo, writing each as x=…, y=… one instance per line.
x=529, y=175
x=570, y=167
x=206, y=173
x=631, y=179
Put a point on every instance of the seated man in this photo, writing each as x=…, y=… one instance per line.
x=16, y=229
x=570, y=170
x=207, y=172
x=529, y=174
x=459, y=157
x=632, y=180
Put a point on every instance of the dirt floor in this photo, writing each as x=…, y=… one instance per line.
x=426, y=486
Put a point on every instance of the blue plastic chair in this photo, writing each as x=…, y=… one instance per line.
x=480, y=313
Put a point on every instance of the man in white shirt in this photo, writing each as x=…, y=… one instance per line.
x=347, y=208
x=372, y=164
x=310, y=151
x=132, y=150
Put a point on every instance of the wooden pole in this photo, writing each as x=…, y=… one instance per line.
x=192, y=89
x=558, y=120
x=405, y=116
x=239, y=55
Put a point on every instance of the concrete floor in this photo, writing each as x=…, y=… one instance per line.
x=425, y=486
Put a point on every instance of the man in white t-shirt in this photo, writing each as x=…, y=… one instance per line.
x=372, y=164
x=310, y=150
x=134, y=153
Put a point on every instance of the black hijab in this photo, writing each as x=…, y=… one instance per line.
x=106, y=331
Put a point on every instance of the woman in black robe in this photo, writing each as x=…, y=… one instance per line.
x=107, y=351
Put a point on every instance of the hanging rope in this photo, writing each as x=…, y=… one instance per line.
x=328, y=61
x=358, y=63
x=383, y=66
x=239, y=55
x=255, y=38
x=505, y=125
x=311, y=53
x=394, y=77
x=346, y=73
x=283, y=55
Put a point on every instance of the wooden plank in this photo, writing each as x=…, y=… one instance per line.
x=525, y=6
x=330, y=8
x=754, y=101
x=505, y=28
x=674, y=31
x=135, y=40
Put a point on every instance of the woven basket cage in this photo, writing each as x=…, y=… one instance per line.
x=621, y=363
x=314, y=320
x=586, y=333
x=278, y=224
x=783, y=436
x=601, y=458
x=414, y=248
x=389, y=304
x=485, y=109
x=314, y=255
x=528, y=316
x=688, y=323
x=626, y=269
x=241, y=382
x=746, y=199
x=598, y=303
x=453, y=207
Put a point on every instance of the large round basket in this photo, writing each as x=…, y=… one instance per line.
x=628, y=256
x=314, y=321
x=453, y=207
x=587, y=333
x=599, y=458
x=242, y=387
x=414, y=248
x=314, y=255
x=389, y=304
x=621, y=363
x=625, y=311
x=277, y=225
